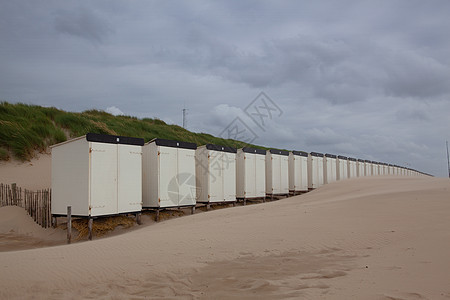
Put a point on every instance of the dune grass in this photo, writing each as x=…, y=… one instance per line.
x=27, y=129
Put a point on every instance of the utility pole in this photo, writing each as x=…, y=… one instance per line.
x=184, y=118
x=448, y=161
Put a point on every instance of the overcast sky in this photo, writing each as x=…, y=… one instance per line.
x=367, y=79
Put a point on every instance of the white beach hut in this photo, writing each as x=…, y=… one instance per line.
x=352, y=168
x=298, y=171
x=215, y=174
x=315, y=170
x=381, y=168
x=360, y=168
x=250, y=173
x=368, y=168
x=391, y=169
x=396, y=170
x=330, y=168
x=342, y=167
x=277, y=172
x=97, y=175
x=375, y=168
x=168, y=174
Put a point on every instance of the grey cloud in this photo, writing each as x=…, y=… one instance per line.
x=414, y=114
x=82, y=23
x=414, y=75
x=358, y=78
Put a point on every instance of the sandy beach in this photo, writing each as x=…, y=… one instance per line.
x=365, y=238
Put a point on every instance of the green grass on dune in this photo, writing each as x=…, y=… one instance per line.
x=25, y=129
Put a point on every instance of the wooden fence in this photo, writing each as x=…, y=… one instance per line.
x=36, y=203
x=10, y=195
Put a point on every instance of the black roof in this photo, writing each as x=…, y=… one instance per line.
x=279, y=152
x=114, y=139
x=342, y=157
x=352, y=159
x=300, y=153
x=330, y=155
x=361, y=160
x=254, y=150
x=175, y=144
x=221, y=148
x=317, y=154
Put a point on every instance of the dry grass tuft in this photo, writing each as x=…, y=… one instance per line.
x=101, y=226
x=169, y=214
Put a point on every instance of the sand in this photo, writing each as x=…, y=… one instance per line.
x=19, y=231
x=365, y=238
x=33, y=175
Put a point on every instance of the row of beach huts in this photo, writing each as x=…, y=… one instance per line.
x=101, y=175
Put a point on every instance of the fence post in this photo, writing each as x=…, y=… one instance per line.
x=69, y=224
x=14, y=198
x=90, y=224
x=49, y=207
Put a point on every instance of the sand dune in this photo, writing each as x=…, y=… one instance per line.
x=19, y=231
x=365, y=238
x=33, y=175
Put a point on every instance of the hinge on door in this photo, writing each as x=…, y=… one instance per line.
x=90, y=149
x=159, y=200
x=209, y=196
x=159, y=153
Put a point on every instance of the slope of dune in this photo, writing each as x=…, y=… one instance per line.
x=365, y=238
x=33, y=175
x=18, y=230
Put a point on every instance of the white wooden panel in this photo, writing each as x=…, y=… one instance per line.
x=284, y=174
x=229, y=176
x=304, y=174
x=310, y=172
x=129, y=178
x=202, y=174
x=186, y=177
x=296, y=172
x=343, y=169
x=216, y=176
x=331, y=169
x=368, y=169
x=167, y=169
x=260, y=175
x=360, y=169
x=103, y=179
x=240, y=174
x=269, y=172
x=249, y=178
x=150, y=175
x=276, y=178
x=352, y=168
x=292, y=172
x=320, y=175
x=313, y=172
x=70, y=177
